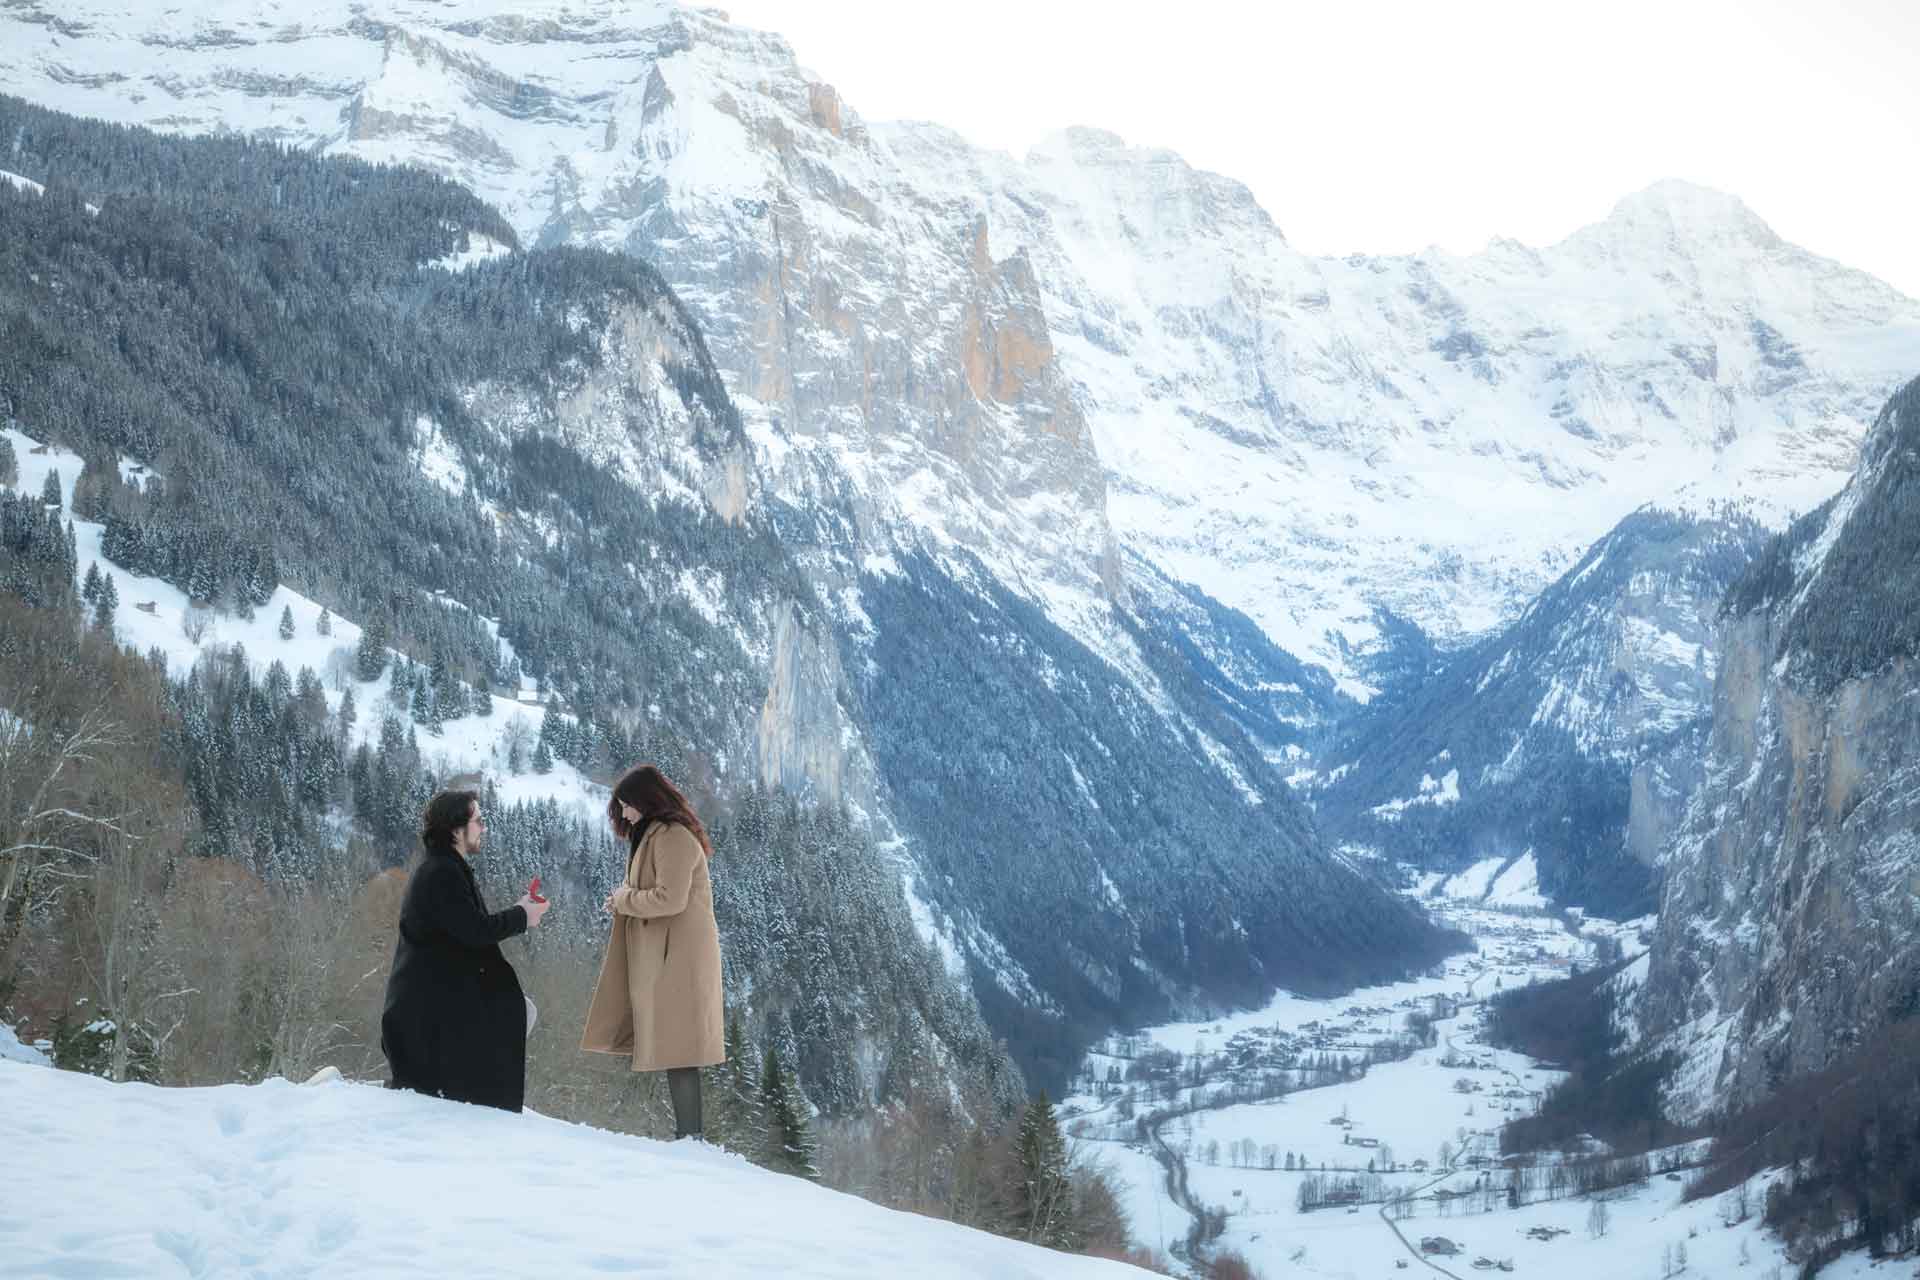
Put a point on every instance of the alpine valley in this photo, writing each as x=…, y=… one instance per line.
x=1080, y=607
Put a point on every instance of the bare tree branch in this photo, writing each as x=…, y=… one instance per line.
x=111, y=824
x=48, y=848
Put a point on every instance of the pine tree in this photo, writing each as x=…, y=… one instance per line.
x=115, y=540
x=426, y=708
x=286, y=623
x=90, y=589
x=550, y=730
x=348, y=713
x=90, y=490
x=203, y=584
x=542, y=758
x=789, y=1138
x=324, y=626
x=278, y=685
x=9, y=463
x=312, y=698
x=735, y=1120
x=449, y=695
x=105, y=601
x=50, y=489
x=261, y=577
x=1042, y=1202
x=371, y=659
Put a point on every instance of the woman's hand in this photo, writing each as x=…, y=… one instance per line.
x=534, y=907
x=607, y=906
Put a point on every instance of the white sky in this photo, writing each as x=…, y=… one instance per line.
x=1383, y=127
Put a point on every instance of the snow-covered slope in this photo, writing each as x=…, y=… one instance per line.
x=156, y=617
x=948, y=336
x=351, y=1180
x=12, y=1049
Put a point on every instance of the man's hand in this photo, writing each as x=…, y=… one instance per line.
x=535, y=908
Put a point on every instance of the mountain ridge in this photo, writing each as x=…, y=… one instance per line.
x=1330, y=419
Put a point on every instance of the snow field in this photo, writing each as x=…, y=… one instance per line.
x=13, y=1050
x=353, y=1180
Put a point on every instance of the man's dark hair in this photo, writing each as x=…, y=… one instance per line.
x=445, y=814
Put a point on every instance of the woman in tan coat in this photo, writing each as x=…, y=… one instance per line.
x=658, y=997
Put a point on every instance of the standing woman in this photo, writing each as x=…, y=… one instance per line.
x=455, y=1023
x=658, y=997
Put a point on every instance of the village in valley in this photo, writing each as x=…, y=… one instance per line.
x=1361, y=1136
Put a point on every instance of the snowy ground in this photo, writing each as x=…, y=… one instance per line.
x=12, y=1050
x=1412, y=1107
x=105, y=1180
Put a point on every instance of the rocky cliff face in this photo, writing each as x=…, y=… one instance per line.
x=1788, y=917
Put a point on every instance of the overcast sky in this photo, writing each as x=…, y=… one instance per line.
x=1369, y=126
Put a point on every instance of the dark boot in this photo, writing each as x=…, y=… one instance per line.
x=683, y=1086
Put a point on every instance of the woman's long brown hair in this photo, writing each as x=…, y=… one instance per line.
x=658, y=800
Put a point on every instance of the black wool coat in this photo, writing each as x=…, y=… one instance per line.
x=455, y=1023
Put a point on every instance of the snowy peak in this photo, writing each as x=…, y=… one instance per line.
x=1686, y=214
x=1176, y=199
x=1700, y=245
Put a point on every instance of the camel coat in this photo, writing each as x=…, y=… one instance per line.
x=658, y=997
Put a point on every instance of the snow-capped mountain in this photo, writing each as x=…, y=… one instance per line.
x=1787, y=918
x=1316, y=441
x=1573, y=736
x=1040, y=359
x=544, y=438
x=1033, y=430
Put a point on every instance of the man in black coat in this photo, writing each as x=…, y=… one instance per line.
x=455, y=1023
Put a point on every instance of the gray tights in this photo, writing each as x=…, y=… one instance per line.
x=683, y=1086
